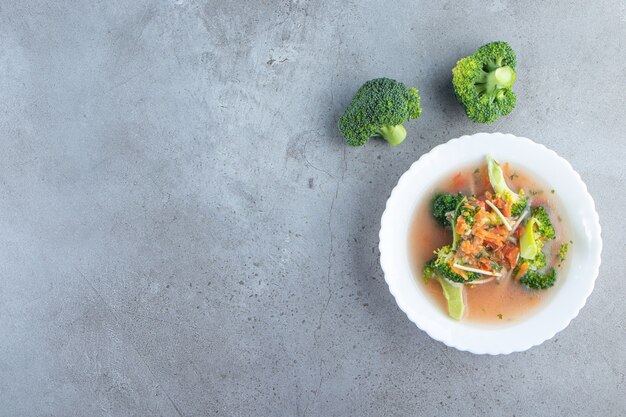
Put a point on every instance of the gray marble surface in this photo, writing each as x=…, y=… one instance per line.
x=184, y=232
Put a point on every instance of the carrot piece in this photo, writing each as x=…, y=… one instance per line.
x=466, y=247
x=461, y=225
x=503, y=206
x=511, y=252
x=460, y=272
x=458, y=182
x=522, y=270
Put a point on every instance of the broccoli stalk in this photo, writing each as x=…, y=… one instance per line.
x=529, y=242
x=392, y=134
x=493, y=82
x=537, y=230
x=379, y=109
x=496, y=178
x=452, y=291
x=453, y=219
x=482, y=82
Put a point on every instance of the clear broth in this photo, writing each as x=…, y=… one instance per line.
x=496, y=301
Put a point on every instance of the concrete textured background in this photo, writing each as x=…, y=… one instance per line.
x=184, y=232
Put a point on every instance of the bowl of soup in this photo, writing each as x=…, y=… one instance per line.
x=490, y=243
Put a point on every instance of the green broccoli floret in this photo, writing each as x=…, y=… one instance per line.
x=535, y=264
x=441, y=265
x=518, y=208
x=539, y=281
x=563, y=251
x=444, y=204
x=453, y=219
x=519, y=202
x=534, y=278
x=544, y=225
x=430, y=269
x=446, y=209
x=446, y=271
x=537, y=230
x=482, y=82
x=378, y=109
x=538, y=262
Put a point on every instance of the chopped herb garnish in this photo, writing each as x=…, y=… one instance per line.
x=552, y=191
x=535, y=192
x=477, y=170
x=500, y=316
x=496, y=266
x=468, y=214
x=513, y=175
x=563, y=251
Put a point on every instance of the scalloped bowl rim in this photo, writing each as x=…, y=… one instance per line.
x=573, y=289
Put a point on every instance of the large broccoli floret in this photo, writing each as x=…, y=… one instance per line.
x=539, y=281
x=496, y=178
x=482, y=82
x=378, y=109
x=537, y=230
x=443, y=207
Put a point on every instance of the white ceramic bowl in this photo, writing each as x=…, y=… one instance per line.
x=575, y=285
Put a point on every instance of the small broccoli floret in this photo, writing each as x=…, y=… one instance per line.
x=544, y=225
x=444, y=204
x=538, y=262
x=496, y=178
x=539, y=281
x=518, y=208
x=482, y=82
x=563, y=251
x=379, y=109
x=533, y=277
x=430, y=269
x=537, y=230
